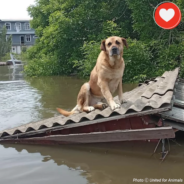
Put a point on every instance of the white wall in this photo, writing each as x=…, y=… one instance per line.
x=16, y=49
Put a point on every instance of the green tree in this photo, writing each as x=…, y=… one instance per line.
x=166, y=46
x=67, y=25
x=70, y=32
x=5, y=44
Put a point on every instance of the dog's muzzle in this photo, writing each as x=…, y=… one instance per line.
x=114, y=51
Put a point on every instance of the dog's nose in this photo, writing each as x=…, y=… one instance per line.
x=114, y=50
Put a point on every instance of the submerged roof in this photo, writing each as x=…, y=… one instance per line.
x=150, y=97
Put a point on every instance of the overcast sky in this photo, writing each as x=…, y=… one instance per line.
x=14, y=9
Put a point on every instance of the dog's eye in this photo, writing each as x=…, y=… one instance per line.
x=117, y=43
x=109, y=44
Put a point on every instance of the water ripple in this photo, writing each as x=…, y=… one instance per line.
x=18, y=101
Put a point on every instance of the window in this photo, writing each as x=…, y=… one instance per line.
x=28, y=38
x=7, y=37
x=22, y=38
x=17, y=26
x=27, y=26
x=13, y=49
x=8, y=26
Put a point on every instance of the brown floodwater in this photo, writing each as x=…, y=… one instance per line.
x=28, y=100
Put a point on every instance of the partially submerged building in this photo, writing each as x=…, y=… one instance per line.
x=23, y=36
x=153, y=111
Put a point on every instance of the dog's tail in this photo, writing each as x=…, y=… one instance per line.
x=65, y=113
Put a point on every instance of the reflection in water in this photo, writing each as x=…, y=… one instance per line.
x=23, y=101
x=11, y=73
x=28, y=168
x=99, y=163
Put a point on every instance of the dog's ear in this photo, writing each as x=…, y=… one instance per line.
x=102, y=47
x=124, y=42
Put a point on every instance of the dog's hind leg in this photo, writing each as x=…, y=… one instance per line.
x=83, y=98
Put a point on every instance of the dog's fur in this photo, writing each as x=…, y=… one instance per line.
x=105, y=78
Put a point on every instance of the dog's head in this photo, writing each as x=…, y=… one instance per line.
x=113, y=46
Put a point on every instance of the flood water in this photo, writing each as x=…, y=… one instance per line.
x=28, y=100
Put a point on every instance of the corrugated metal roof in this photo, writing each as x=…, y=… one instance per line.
x=148, y=98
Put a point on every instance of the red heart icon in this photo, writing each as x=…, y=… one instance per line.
x=167, y=15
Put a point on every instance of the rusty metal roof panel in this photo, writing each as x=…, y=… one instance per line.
x=147, y=98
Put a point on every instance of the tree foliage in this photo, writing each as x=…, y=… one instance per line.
x=70, y=32
x=5, y=44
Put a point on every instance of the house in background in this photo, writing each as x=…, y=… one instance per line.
x=23, y=35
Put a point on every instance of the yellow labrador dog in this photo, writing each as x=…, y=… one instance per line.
x=105, y=78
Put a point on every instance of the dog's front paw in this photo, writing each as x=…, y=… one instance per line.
x=114, y=106
x=91, y=108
